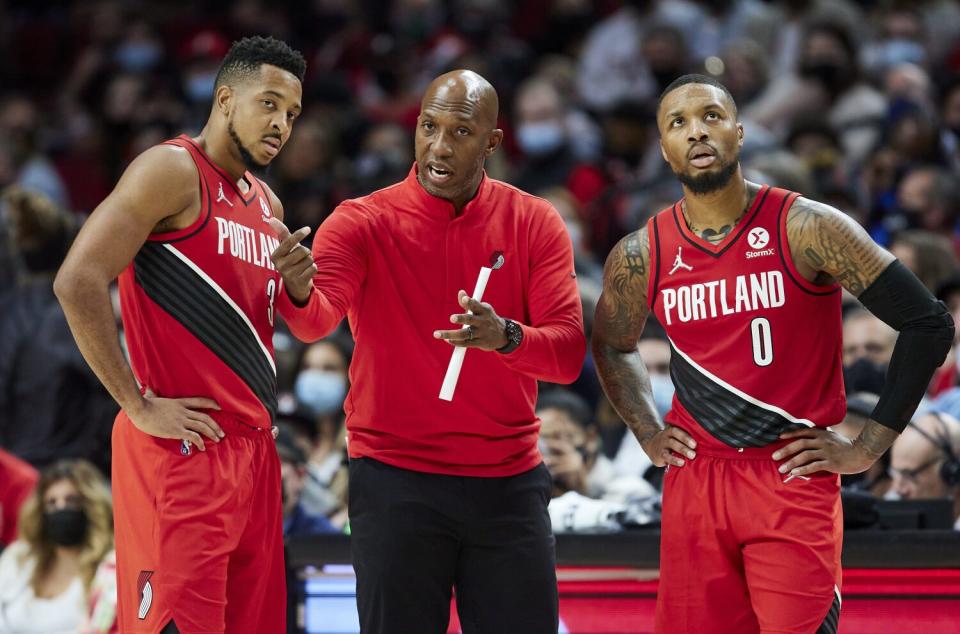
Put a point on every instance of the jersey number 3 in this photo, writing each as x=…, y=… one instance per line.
x=762, y=341
x=272, y=296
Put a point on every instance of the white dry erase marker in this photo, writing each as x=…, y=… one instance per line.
x=456, y=359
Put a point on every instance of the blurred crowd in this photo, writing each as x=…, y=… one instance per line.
x=852, y=102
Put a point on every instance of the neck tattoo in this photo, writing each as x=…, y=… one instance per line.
x=710, y=234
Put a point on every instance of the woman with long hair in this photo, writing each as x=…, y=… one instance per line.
x=47, y=576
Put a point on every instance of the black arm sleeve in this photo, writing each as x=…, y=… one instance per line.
x=926, y=333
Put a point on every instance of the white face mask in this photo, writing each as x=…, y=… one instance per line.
x=537, y=139
x=663, y=391
x=323, y=392
x=576, y=235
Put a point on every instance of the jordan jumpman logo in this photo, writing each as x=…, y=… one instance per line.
x=678, y=263
x=221, y=197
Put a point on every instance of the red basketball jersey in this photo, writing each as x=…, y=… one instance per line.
x=197, y=303
x=756, y=348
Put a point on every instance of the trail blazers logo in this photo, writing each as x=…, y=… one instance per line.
x=146, y=593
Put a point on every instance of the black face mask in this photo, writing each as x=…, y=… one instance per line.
x=863, y=375
x=66, y=527
x=834, y=77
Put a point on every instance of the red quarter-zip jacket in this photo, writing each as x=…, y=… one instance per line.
x=393, y=262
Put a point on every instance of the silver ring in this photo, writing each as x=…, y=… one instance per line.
x=469, y=333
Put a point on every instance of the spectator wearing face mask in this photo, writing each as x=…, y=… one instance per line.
x=901, y=41
x=321, y=387
x=827, y=81
x=928, y=197
x=543, y=135
x=631, y=459
x=49, y=580
x=297, y=521
x=867, y=348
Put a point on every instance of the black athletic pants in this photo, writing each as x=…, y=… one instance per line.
x=416, y=536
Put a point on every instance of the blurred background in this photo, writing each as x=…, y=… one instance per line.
x=854, y=103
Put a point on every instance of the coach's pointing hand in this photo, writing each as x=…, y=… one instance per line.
x=177, y=418
x=294, y=261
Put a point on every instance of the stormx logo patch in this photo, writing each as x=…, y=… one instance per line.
x=758, y=238
x=146, y=593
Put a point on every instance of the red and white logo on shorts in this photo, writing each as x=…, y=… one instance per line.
x=146, y=593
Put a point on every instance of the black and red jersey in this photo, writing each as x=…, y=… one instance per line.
x=198, y=303
x=756, y=348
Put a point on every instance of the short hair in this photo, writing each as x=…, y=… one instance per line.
x=570, y=403
x=245, y=57
x=837, y=30
x=696, y=78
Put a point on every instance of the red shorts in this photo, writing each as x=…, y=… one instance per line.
x=743, y=552
x=199, y=535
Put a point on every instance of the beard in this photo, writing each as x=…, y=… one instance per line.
x=245, y=156
x=709, y=182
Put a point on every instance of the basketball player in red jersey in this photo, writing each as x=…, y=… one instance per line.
x=196, y=479
x=746, y=279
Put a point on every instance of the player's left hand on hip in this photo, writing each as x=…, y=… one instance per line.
x=294, y=261
x=816, y=449
x=484, y=329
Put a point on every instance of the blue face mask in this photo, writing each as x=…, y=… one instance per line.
x=901, y=51
x=137, y=57
x=199, y=88
x=537, y=139
x=662, y=393
x=322, y=392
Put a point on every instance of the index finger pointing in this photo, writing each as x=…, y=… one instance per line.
x=282, y=232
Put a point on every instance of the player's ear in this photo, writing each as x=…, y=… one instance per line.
x=223, y=99
x=740, y=134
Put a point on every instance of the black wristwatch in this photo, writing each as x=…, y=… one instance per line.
x=514, y=334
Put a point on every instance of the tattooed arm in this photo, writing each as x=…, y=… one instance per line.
x=621, y=313
x=828, y=245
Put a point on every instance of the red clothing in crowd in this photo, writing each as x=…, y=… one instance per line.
x=393, y=262
x=17, y=481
